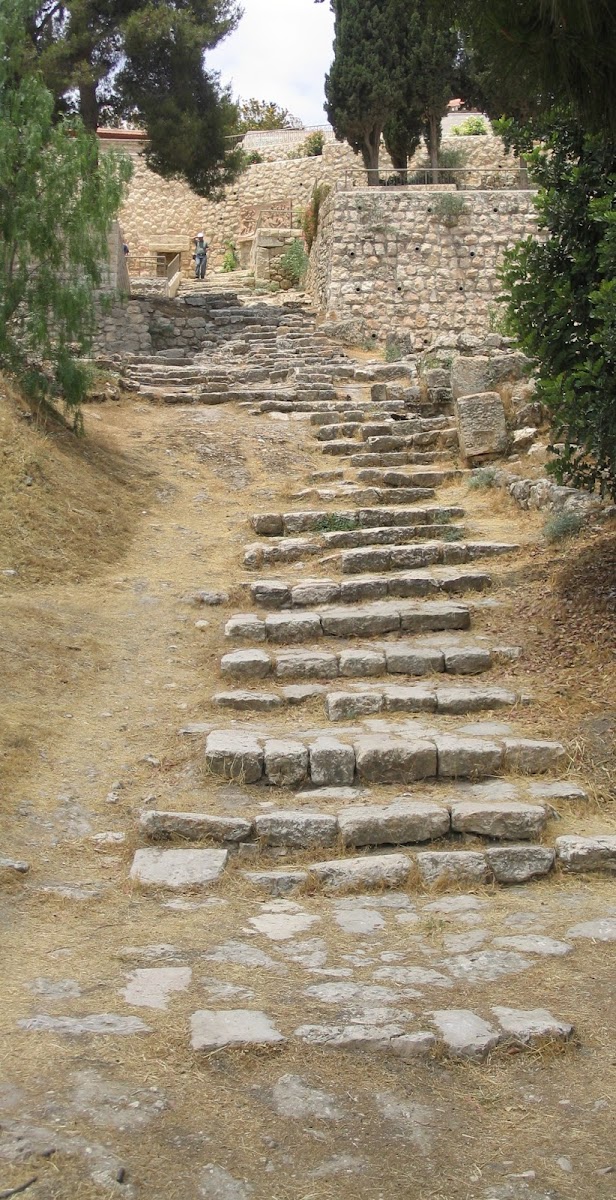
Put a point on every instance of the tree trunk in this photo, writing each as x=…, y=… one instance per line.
x=88, y=106
x=433, y=146
x=399, y=163
x=370, y=154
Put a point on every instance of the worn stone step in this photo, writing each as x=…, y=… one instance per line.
x=373, y=758
x=288, y=550
x=279, y=594
x=353, y=621
x=425, y=554
x=372, y=699
x=369, y=495
x=446, y=438
x=405, y=821
x=277, y=524
x=381, y=477
x=395, y=658
x=407, y=458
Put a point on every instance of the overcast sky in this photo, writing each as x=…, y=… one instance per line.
x=280, y=51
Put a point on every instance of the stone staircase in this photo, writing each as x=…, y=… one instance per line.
x=347, y=747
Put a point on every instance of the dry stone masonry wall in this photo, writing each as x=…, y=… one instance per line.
x=424, y=263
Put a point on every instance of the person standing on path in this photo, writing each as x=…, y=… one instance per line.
x=200, y=256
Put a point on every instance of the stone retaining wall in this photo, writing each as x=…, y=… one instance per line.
x=164, y=215
x=397, y=262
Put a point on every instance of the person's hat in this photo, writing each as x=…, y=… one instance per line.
x=201, y=234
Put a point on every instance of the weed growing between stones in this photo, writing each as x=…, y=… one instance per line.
x=335, y=523
x=294, y=263
x=485, y=477
x=448, y=208
x=393, y=353
x=455, y=534
x=562, y=525
x=230, y=261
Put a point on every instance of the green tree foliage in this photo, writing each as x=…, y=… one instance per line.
x=361, y=89
x=561, y=294
x=126, y=59
x=56, y=204
x=529, y=54
x=264, y=114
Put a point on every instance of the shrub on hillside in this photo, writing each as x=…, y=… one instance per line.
x=472, y=127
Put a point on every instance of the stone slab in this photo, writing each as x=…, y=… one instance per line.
x=393, y=824
x=586, y=853
x=296, y=829
x=156, y=824
x=464, y=1034
x=352, y=874
x=530, y=1026
x=178, y=868
x=215, y=1029
x=234, y=755
x=505, y=819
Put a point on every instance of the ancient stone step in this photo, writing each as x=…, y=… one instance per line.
x=381, y=477
x=288, y=550
x=426, y=554
x=442, y=438
x=373, y=699
x=374, y=758
x=394, y=658
x=279, y=594
x=276, y=524
x=352, y=621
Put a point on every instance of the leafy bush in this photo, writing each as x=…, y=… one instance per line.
x=472, y=127
x=230, y=261
x=562, y=525
x=485, y=477
x=561, y=300
x=294, y=263
x=253, y=156
x=450, y=160
x=393, y=353
x=313, y=146
x=448, y=208
x=310, y=219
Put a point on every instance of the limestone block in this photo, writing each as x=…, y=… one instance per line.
x=587, y=853
x=451, y=866
x=292, y=627
x=370, y=621
x=464, y=1034
x=394, y=760
x=410, y=660
x=393, y=824
x=467, y=660
x=498, y=819
x=213, y=1029
x=530, y=757
x=468, y=700
x=314, y=592
x=346, y=706
x=286, y=762
x=467, y=757
x=481, y=425
x=193, y=826
x=332, y=763
x=301, y=693
x=353, y=562
x=246, y=664
x=296, y=829
x=352, y=874
x=361, y=662
x=409, y=699
x=530, y=1026
x=245, y=627
x=178, y=868
x=306, y=664
x=518, y=864
x=270, y=593
x=365, y=588
x=277, y=883
x=245, y=701
x=234, y=755
x=434, y=615
x=267, y=524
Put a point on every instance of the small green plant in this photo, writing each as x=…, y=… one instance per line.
x=294, y=263
x=485, y=477
x=310, y=218
x=497, y=320
x=335, y=523
x=313, y=146
x=562, y=525
x=230, y=261
x=448, y=209
x=472, y=127
x=450, y=162
x=455, y=534
x=393, y=353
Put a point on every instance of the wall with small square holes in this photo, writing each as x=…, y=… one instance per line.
x=420, y=262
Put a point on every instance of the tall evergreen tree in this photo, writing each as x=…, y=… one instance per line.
x=126, y=59
x=361, y=87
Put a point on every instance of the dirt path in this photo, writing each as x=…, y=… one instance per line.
x=127, y=658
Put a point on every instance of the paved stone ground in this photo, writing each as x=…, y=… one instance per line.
x=241, y=971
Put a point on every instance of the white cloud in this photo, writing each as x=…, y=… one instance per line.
x=280, y=51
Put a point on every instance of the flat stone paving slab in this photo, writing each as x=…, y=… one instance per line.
x=178, y=868
x=214, y=1029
